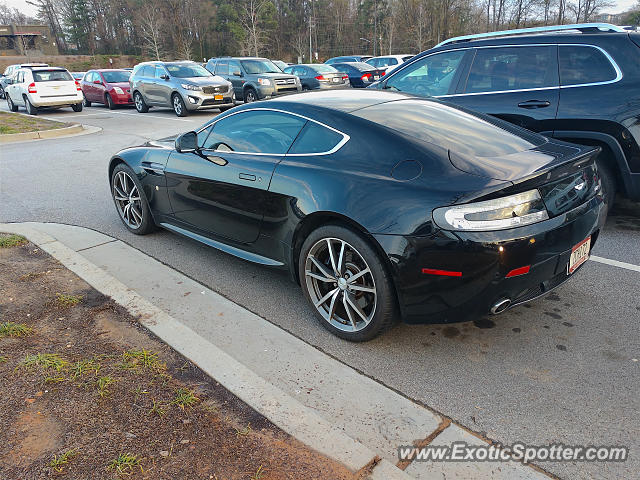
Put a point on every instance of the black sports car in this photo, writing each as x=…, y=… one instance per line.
x=380, y=205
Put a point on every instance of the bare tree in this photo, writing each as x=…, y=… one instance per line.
x=252, y=18
x=151, y=23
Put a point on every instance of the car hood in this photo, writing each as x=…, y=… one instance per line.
x=166, y=142
x=119, y=84
x=275, y=75
x=204, y=81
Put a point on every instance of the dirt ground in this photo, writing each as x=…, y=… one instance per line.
x=87, y=393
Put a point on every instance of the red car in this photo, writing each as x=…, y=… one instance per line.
x=108, y=86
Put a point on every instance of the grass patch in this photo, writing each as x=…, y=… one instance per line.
x=102, y=384
x=184, y=398
x=58, y=462
x=84, y=366
x=17, y=123
x=245, y=431
x=10, y=329
x=45, y=361
x=142, y=359
x=259, y=473
x=3, y=358
x=125, y=463
x=68, y=300
x=157, y=409
x=8, y=241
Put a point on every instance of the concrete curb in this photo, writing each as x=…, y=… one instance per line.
x=73, y=130
x=287, y=413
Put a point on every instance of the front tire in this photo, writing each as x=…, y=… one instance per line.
x=77, y=107
x=250, y=95
x=608, y=181
x=109, y=102
x=86, y=102
x=346, y=283
x=141, y=105
x=179, y=107
x=130, y=200
x=31, y=110
x=12, y=106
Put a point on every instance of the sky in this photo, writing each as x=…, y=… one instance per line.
x=23, y=6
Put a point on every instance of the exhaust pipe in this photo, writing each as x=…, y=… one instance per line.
x=500, y=306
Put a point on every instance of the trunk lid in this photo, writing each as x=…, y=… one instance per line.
x=54, y=83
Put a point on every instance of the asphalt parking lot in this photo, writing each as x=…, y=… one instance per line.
x=563, y=369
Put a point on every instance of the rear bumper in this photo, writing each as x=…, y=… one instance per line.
x=56, y=101
x=545, y=247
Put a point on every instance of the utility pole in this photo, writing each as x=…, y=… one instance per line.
x=375, y=26
x=310, y=54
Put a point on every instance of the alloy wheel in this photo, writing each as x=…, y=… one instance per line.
x=340, y=284
x=251, y=97
x=139, y=102
x=177, y=105
x=128, y=201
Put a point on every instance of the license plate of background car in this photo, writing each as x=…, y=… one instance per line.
x=335, y=79
x=579, y=255
x=218, y=97
x=376, y=77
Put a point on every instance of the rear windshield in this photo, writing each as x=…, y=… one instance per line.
x=51, y=76
x=259, y=66
x=452, y=128
x=186, y=70
x=363, y=67
x=116, y=77
x=321, y=68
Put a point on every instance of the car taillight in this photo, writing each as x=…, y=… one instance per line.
x=366, y=76
x=345, y=77
x=78, y=87
x=383, y=73
x=32, y=88
x=320, y=77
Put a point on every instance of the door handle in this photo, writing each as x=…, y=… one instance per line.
x=534, y=104
x=247, y=176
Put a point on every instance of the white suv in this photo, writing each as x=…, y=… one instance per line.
x=43, y=87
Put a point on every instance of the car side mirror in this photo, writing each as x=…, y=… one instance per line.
x=237, y=73
x=97, y=82
x=164, y=77
x=187, y=143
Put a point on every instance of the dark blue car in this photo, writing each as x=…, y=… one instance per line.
x=360, y=74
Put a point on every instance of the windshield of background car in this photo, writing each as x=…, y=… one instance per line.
x=186, y=71
x=429, y=76
x=452, y=128
x=51, y=76
x=321, y=68
x=253, y=67
x=116, y=77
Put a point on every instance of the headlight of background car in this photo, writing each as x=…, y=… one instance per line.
x=188, y=86
x=508, y=212
x=264, y=82
x=118, y=90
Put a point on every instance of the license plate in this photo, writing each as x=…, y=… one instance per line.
x=579, y=255
x=218, y=97
x=335, y=79
x=376, y=77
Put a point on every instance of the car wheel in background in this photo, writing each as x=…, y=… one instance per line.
x=130, y=200
x=178, y=105
x=607, y=180
x=2, y=93
x=109, y=102
x=31, y=110
x=141, y=105
x=86, y=102
x=250, y=95
x=77, y=107
x=346, y=284
x=12, y=106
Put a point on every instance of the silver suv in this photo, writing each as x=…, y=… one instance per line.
x=184, y=86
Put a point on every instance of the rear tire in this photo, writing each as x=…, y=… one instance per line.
x=363, y=302
x=12, y=106
x=109, y=102
x=77, y=107
x=607, y=180
x=31, y=110
x=2, y=93
x=141, y=105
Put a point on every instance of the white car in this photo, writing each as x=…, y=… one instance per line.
x=37, y=87
x=388, y=62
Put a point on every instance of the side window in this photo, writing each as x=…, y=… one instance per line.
x=160, y=71
x=222, y=67
x=430, y=76
x=511, y=68
x=299, y=71
x=316, y=138
x=257, y=131
x=582, y=64
x=392, y=61
x=146, y=71
x=234, y=67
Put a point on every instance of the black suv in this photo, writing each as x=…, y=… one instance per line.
x=254, y=78
x=579, y=83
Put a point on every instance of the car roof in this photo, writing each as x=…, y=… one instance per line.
x=343, y=100
x=109, y=70
x=38, y=69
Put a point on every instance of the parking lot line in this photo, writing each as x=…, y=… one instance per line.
x=142, y=115
x=616, y=263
